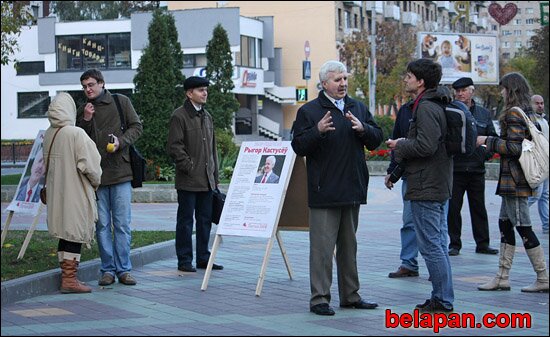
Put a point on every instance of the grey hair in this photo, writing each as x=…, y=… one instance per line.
x=271, y=159
x=331, y=67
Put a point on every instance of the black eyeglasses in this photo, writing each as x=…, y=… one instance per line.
x=89, y=86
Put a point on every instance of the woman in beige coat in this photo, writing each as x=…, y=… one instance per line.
x=73, y=175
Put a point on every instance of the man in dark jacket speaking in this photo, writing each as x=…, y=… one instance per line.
x=332, y=132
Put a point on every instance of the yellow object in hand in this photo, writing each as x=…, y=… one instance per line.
x=111, y=147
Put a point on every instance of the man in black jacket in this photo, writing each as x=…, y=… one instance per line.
x=332, y=132
x=469, y=176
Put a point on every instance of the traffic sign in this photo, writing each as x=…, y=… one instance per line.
x=306, y=70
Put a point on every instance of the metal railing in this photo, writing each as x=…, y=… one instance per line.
x=15, y=153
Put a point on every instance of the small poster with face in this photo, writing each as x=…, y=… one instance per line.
x=27, y=196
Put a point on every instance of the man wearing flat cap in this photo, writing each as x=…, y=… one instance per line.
x=192, y=147
x=469, y=176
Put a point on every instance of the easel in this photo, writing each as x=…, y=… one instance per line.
x=15, y=205
x=292, y=215
x=29, y=233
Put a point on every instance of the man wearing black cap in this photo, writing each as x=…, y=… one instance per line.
x=192, y=146
x=469, y=176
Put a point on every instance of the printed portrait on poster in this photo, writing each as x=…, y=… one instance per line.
x=269, y=169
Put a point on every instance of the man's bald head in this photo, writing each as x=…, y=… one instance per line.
x=537, y=102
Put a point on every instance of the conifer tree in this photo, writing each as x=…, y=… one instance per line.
x=221, y=103
x=158, y=82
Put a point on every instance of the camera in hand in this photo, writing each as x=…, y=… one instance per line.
x=396, y=174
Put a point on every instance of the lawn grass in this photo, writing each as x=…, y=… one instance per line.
x=41, y=254
x=11, y=179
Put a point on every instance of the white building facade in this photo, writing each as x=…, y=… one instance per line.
x=54, y=54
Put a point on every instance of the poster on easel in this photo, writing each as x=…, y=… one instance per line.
x=27, y=196
x=267, y=193
x=254, y=197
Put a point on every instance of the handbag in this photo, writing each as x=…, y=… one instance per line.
x=534, y=154
x=43, y=189
x=137, y=162
x=218, y=200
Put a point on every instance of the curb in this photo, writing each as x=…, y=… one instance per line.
x=47, y=282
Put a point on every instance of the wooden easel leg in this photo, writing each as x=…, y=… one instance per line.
x=261, y=278
x=6, y=227
x=29, y=234
x=283, y=252
x=215, y=245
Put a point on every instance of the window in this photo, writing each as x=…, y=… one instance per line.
x=530, y=21
x=517, y=22
x=30, y=68
x=347, y=19
x=506, y=56
x=248, y=51
x=517, y=32
x=339, y=18
x=505, y=44
x=518, y=44
x=32, y=104
x=188, y=60
x=529, y=11
x=102, y=51
x=118, y=51
x=506, y=33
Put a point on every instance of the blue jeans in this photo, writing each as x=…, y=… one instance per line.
x=409, y=246
x=114, y=237
x=430, y=224
x=541, y=196
x=199, y=203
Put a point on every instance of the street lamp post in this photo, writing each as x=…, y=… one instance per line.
x=372, y=77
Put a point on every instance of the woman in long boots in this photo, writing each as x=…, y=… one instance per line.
x=513, y=188
x=73, y=173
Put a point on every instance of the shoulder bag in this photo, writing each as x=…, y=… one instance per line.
x=137, y=161
x=43, y=189
x=534, y=154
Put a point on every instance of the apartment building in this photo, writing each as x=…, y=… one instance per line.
x=516, y=34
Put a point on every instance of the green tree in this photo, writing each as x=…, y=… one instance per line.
x=14, y=17
x=539, y=50
x=99, y=10
x=394, y=49
x=158, y=82
x=221, y=103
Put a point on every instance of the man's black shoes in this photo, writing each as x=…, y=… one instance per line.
x=322, y=309
x=203, y=265
x=360, y=305
x=487, y=250
x=433, y=305
x=454, y=251
x=187, y=268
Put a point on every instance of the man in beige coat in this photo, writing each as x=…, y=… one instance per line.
x=73, y=175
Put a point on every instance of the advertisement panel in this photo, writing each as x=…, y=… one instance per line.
x=462, y=55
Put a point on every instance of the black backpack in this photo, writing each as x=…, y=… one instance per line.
x=461, y=129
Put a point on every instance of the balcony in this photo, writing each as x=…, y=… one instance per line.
x=392, y=13
x=377, y=6
x=410, y=18
x=352, y=3
x=443, y=5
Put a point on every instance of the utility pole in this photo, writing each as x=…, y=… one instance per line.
x=372, y=88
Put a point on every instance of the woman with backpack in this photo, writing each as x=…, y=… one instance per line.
x=513, y=187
